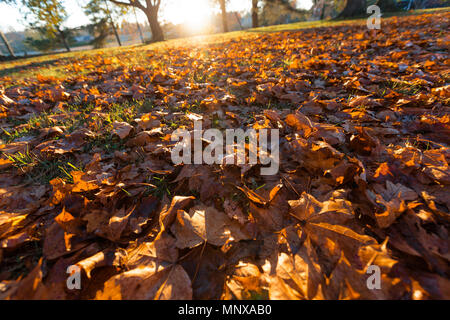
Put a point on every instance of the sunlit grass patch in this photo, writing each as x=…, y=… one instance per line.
x=40, y=170
x=404, y=87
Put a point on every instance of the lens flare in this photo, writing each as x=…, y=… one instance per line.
x=195, y=15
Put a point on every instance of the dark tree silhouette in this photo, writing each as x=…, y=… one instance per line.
x=223, y=9
x=151, y=10
x=353, y=8
x=255, y=20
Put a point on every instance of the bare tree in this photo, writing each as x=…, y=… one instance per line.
x=151, y=9
x=223, y=9
x=8, y=46
x=102, y=17
x=113, y=25
x=255, y=20
x=138, y=26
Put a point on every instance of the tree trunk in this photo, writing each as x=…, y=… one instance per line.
x=223, y=8
x=255, y=21
x=238, y=19
x=138, y=26
x=353, y=8
x=63, y=39
x=115, y=33
x=112, y=24
x=151, y=11
x=11, y=52
x=322, y=14
x=152, y=17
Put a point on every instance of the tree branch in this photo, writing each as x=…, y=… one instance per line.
x=132, y=3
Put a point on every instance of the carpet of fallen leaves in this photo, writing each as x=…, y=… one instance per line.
x=87, y=179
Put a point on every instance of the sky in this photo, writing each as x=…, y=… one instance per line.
x=192, y=12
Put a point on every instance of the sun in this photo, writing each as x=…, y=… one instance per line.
x=194, y=14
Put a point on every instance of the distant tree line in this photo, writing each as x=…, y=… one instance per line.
x=46, y=17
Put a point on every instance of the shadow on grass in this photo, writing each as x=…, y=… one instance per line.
x=31, y=66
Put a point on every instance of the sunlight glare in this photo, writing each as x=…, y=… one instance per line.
x=194, y=14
